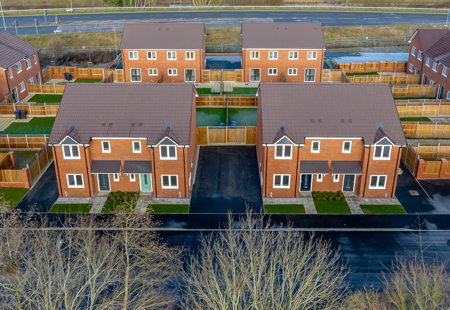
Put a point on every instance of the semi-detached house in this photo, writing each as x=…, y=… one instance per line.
x=328, y=137
x=19, y=66
x=166, y=52
x=282, y=52
x=127, y=137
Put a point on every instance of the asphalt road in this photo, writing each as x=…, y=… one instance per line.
x=108, y=21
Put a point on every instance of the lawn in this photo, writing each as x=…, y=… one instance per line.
x=167, y=208
x=87, y=80
x=46, y=98
x=285, y=209
x=236, y=91
x=332, y=207
x=36, y=126
x=23, y=158
x=361, y=73
x=71, y=208
x=412, y=98
x=10, y=196
x=415, y=119
x=215, y=116
x=383, y=209
x=120, y=202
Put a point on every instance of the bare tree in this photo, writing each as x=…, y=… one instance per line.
x=85, y=268
x=252, y=266
x=201, y=2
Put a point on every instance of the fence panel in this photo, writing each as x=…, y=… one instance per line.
x=202, y=135
x=23, y=142
x=236, y=135
x=34, y=88
x=11, y=176
x=251, y=135
x=432, y=166
x=216, y=135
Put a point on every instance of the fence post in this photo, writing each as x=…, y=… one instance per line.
x=406, y=110
x=29, y=108
x=54, y=87
x=437, y=151
x=417, y=128
x=245, y=135
x=9, y=144
x=46, y=152
x=26, y=139
x=439, y=108
x=421, y=112
x=435, y=128
x=29, y=174
x=45, y=108
x=207, y=135
x=39, y=165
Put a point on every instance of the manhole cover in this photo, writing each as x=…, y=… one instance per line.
x=413, y=192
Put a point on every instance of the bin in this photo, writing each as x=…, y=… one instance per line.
x=68, y=76
x=233, y=124
x=23, y=114
x=17, y=114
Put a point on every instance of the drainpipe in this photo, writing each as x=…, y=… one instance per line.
x=184, y=170
x=265, y=173
x=88, y=175
x=396, y=172
x=367, y=170
x=154, y=172
x=57, y=171
x=296, y=191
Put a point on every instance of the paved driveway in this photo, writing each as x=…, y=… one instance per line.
x=227, y=179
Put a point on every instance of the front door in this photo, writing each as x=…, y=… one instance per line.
x=424, y=79
x=103, y=182
x=440, y=94
x=189, y=75
x=255, y=75
x=146, y=182
x=305, y=184
x=14, y=95
x=349, y=183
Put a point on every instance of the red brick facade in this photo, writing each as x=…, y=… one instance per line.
x=11, y=78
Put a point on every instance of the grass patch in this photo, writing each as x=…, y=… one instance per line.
x=285, y=209
x=71, y=208
x=415, y=119
x=23, y=158
x=236, y=91
x=215, y=116
x=10, y=197
x=362, y=73
x=120, y=202
x=408, y=98
x=37, y=126
x=223, y=35
x=332, y=207
x=167, y=208
x=87, y=80
x=46, y=98
x=383, y=209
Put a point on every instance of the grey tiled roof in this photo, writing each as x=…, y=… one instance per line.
x=346, y=167
x=105, y=166
x=328, y=110
x=314, y=166
x=137, y=166
x=125, y=110
x=13, y=49
x=283, y=35
x=163, y=36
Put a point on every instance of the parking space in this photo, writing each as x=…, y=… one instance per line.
x=439, y=191
x=227, y=179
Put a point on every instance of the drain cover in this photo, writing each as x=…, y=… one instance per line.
x=413, y=192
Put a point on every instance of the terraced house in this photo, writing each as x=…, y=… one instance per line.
x=127, y=137
x=429, y=56
x=328, y=137
x=165, y=52
x=282, y=52
x=19, y=65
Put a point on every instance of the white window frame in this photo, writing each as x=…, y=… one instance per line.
x=444, y=70
x=250, y=74
x=311, y=55
x=28, y=62
x=71, y=156
x=254, y=55
x=170, y=186
x=315, y=75
x=427, y=61
x=273, y=55
x=448, y=95
x=116, y=177
x=134, y=149
x=413, y=51
x=411, y=67
x=168, y=152
x=291, y=70
x=420, y=55
x=154, y=71
x=132, y=177
x=378, y=181
x=283, y=146
x=131, y=55
x=31, y=80
x=152, y=53
x=195, y=75
x=343, y=147
x=312, y=147
x=18, y=67
x=140, y=75
x=435, y=66
x=319, y=177
x=281, y=181
x=11, y=75
x=432, y=82
x=188, y=55
x=293, y=55
x=336, y=178
x=35, y=59
x=172, y=70
x=22, y=87
x=171, y=53
x=382, y=152
x=74, y=175
x=270, y=71
x=103, y=146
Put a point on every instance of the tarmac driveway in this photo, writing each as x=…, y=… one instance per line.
x=227, y=180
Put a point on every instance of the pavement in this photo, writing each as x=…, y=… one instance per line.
x=110, y=21
x=5, y=121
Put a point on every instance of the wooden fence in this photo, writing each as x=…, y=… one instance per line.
x=413, y=90
x=214, y=100
x=423, y=107
x=226, y=135
x=23, y=141
x=334, y=75
x=236, y=75
x=426, y=129
x=52, y=88
x=428, y=161
x=31, y=108
x=381, y=66
x=396, y=78
x=40, y=162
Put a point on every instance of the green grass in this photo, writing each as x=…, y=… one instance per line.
x=332, y=207
x=10, y=196
x=361, y=73
x=409, y=98
x=87, y=80
x=46, y=98
x=71, y=208
x=383, y=209
x=38, y=125
x=236, y=91
x=415, y=119
x=285, y=209
x=23, y=158
x=215, y=116
x=167, y=208
x=117, y=206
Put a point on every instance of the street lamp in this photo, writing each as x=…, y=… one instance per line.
x=3, y=17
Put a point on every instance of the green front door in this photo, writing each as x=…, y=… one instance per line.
x=146, y=182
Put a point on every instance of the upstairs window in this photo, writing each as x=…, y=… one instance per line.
x=273, y=54
x=413, y=51
x=254, y=54
x=190, y=55
x=283, y=151
x=315, y=147
x=28, y=61
x=427, y=61
x=106, y=147
x=133, y=55
x=347, y=147
x=151, y=55
x=22, y=87
x=168, y=152
x=312, y=55
x=172, y=55
x=293, y=55
x=382, y=152
x=19, y=67
x=35, y=59
x=71, y=152
x=420, y=55
x=136, y=146
x=444, y=71
x=10, y=73
x=435, y=66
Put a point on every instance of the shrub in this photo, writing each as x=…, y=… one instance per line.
x=120, y=196
x=328, y=195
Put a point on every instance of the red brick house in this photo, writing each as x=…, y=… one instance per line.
x=173, y=52
x=328, y=137
x=127, y=137
x=278, y=52
x=19, y=65
x=429, y=56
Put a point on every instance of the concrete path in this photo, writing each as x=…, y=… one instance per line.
x=142, y=203
x=5, y=122
x=97, y=203
x=353, y=203
x=306, y=200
